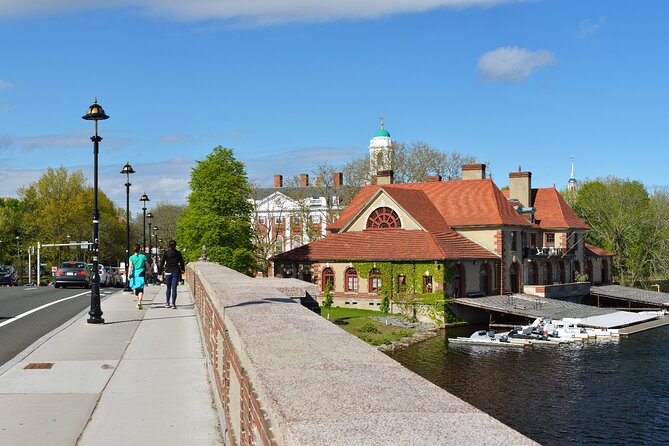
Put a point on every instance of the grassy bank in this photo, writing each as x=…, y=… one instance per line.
x=358, y=323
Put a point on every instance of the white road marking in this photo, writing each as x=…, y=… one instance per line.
x=16, y=318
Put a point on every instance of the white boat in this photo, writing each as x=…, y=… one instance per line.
x=565, y=328
x=489, y=338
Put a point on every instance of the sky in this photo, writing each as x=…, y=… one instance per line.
x=289, y=84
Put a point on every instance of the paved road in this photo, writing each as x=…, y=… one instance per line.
x=19, y=330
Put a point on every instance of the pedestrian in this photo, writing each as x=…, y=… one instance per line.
x=138, y=266
x=172, y=267
x=154, y=270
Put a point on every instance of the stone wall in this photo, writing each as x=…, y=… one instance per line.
x=286, y=376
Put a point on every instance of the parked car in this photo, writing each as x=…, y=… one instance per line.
x=8, y=275
x=104, y=278
x=118, y=278
x=73, y=273
x=111, y=278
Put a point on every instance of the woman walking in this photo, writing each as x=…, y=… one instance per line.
x=172, y=267
x=137, y=272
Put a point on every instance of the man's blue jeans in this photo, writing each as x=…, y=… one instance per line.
x=172, y=280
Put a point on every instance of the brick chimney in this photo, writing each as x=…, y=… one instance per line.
x=432, y=178
x=338, y=179
x=384, y=177
x=304, y=180
x=520, y=187
x=278, y=180
x=473, y=171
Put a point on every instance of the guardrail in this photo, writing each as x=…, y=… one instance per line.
x=285, y=376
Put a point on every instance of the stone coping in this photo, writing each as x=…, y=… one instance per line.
x=319, y=385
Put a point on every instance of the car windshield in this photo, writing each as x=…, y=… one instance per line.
x=79, y=265
x=5, y=269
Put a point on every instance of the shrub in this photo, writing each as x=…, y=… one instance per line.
x=368, y=327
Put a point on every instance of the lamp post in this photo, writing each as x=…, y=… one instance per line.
x=18, y=257
x=144, y=198
x=127, y=170
x=155, y=233
x=95, y=113
x=149, y=217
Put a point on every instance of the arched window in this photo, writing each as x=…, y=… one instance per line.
x=351, y=280
x=374, y=281
x=383, y=218
x=278, y=245
x=485, y=279
x=297, y=242
x=547, y=273
x=515, y=277
x=328, y=277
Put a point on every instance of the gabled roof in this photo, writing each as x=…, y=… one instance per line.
x=388, y=244
x=457, y=203
x=553, y=212
x=594, y=251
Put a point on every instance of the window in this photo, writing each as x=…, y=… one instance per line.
x=316, y=219
x=351, y=280
x=401, y=283
x=295, y=219
x=278, y=245
x=533, y=240
x=328, y=277
x=550, y=240
x=427, y=284
x=514, y=241
x=335, y=201
x=277, y=220
x=383, y=218
x=374, y=281
x=261, y=220
x=297, y=242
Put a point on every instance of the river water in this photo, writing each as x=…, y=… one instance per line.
x=595, y=393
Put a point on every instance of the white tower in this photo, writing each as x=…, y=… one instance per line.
x=572, y=184
x=380, y=151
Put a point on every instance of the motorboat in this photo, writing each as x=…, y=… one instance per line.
x=490, y=338
x=566, y=328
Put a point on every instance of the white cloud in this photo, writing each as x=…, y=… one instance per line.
x=5, y=85
x=257, y=12
x=174, y=139
x=67, y=140
x=588, y=27
x=512, y=64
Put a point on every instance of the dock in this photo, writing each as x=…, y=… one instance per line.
x=532, y=307
x=631, y=295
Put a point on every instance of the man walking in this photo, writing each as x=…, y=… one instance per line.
x=172, y=267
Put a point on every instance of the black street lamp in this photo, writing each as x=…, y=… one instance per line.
x=155, y=233
x=95, y=113
x=144, y=198
x=127, y=170
x=18, y=258
x=149, y=216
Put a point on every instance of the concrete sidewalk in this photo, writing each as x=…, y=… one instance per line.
x=138, y=379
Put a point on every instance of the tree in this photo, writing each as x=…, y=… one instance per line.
x=58, y=207
x=624, y=219
x=218, y=213
x=327, y=298
x=11, y=214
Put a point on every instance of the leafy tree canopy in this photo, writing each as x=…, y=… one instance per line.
x=218, y=212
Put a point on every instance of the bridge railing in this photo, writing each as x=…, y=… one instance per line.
x=285, y=376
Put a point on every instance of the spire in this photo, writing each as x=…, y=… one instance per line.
x=381, y=118
x=572, y=185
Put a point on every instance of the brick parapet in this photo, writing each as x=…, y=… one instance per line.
x=286, y=376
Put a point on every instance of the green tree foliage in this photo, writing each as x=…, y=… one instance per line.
x=11, y=212
x=626, y=220
x=327, y=298
x=218, y=212
x=58, y=208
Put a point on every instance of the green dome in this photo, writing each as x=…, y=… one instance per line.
x=382, y=132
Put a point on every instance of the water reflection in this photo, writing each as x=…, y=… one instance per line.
x=603, y=393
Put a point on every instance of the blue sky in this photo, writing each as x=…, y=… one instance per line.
x=289, y=84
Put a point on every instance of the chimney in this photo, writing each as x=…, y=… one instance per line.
x=473, y=171
x=278, y=180
x=384, y=177
x=432, y=178
x=304, y=180
x=520, y=187
x=338, y=179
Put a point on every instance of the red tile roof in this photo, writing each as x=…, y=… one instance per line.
x=388, y=244
x=553, y=212
x=459, y=203
x=592, y=250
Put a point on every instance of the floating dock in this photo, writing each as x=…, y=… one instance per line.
x=631, y=295
x=531, y=307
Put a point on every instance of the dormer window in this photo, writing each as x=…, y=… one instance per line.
x=383, y=218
